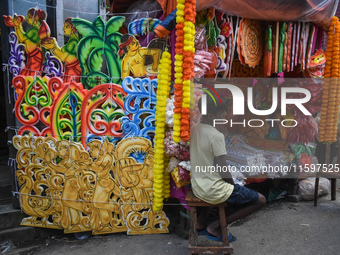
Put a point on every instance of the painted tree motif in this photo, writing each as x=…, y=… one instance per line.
x=100, y=41
x=65, y=112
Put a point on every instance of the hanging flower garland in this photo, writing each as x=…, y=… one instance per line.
x=163, y=90
x=178, y=70
x=334, y=99
x=166, y=181
x=188, y=65
x=330, y=94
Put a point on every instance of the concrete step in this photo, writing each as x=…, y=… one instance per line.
x=5, y=193
x=17, y=235
x=27, y=236
x=11, y=230
x=23, y=250
x=10, y=217
x=5, y=180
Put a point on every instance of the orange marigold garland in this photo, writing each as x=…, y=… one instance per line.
x=331, y=91
x=184, y=65
x=163, y=89
x=178, y=70
x=335, y=89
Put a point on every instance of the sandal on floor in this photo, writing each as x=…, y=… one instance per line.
x=202, y=232
x=211, y=237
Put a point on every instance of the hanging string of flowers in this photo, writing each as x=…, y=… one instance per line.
x=163, y=89
x=188, y=65
x=178, y=70
x=167, y=175
x=330, y=94
x=335, y=82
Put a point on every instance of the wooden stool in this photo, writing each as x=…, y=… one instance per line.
x=332, y=174
x=194, y=202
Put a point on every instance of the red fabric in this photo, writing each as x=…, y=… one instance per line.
x=319, y=12
x=72, y=70
x=168, y=6
x=34, y=63
x=122, y=45
x=161, y=31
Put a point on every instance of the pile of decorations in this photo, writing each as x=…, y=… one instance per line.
x=117, y=109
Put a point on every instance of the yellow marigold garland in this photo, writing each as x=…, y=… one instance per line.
x=163, y=90
x=331, y=91
x=166, y=181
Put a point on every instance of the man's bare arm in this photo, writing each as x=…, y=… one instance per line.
x=221, y=161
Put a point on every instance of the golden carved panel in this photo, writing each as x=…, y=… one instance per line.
x=106, y=189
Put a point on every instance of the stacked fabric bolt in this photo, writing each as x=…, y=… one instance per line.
x=245, y=157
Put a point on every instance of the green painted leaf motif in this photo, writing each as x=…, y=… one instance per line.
x=96, y=63
x=114, y=24
x=99, y=26
x=90, y=50
x=65, y=124
x=108, y=111
x=84, y=27
x=68, y=117
x=85, y=47
x=41, y=96
x=108, y=116
x=114, y=65
x=113, y=41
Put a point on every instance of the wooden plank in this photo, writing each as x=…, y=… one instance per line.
x=193, y=226
x=204, y=204
x=211, y=250
x=223, y=222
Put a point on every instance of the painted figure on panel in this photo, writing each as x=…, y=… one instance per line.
x=68, y=53
x=103, y=160
x=134, y=59
x=30, y=38
x=135, y=178
x=71, y=163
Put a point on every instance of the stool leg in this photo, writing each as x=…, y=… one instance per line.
x=223, y=222
x=193, y=226
x=333, y=189
x=316, y=188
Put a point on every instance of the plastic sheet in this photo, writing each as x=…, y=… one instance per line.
x=241, y=155
x=319, y=12
x=307, y=186
x=142, y=9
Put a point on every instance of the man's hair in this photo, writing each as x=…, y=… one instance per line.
x=215, y=108
x=124, y=39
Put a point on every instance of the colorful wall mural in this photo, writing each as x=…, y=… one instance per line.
x=87, y=122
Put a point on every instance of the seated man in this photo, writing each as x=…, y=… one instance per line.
x=207, y=145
